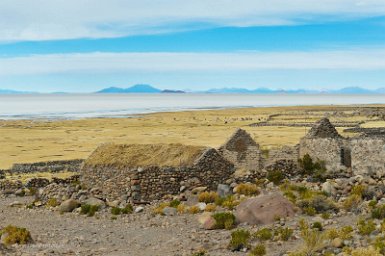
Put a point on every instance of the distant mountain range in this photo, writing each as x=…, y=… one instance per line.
x=145, y=88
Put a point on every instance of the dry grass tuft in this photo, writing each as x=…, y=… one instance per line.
x=135, y=155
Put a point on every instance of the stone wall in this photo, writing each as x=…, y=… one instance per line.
x=284, y=159
x=328, y=150
x=50, y=166
x=368, y=156
x=242, y=151
x=151, y=183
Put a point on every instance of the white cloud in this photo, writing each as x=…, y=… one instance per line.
x=93, y=63
x=67, y=19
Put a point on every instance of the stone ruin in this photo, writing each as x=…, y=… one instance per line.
x=363, y=155
x=242, y=151
x=139, y=173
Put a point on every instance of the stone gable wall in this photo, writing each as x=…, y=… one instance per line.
x=327, y=150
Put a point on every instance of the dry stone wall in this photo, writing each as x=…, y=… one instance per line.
x=50, y=166
x=151, y=183
x=368, y=156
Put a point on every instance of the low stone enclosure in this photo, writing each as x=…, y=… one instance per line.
x=148, y=172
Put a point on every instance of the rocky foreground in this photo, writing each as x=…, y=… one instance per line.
x=341, y=216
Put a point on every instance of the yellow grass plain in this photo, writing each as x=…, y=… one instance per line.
x=25, y=141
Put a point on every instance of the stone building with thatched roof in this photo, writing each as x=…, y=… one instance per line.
x=241, y=150
x=324, y=143
x=147, y=172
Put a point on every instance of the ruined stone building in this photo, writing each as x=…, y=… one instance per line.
x=324, y=143
x=148, y=172
x=364, y=155
x=242, y=151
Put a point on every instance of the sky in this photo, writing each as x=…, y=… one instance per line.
x=87, y=45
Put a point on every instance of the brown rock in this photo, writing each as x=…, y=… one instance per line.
x=264, y=209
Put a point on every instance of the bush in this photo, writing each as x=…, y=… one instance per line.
x=15, y=235
x=276, y=177
x=89, y=210
x=247, y=189
x=126, y=210
x=317, y=170
x=352, y=202
x=208, y=197
x=116, y=211
x=239, y=240
x=181, y=208
x=229, y=202
x=284, y=234
x=314, y=240
x=365, y=227
x=379, y=244
x=194, y=209
x=210, y=208
x=52, y=202
x=263, y=234
x=224, y=220
x=258, y=250
x=159, y=209
x=317, y=225
x=378, y=212
x=319, y=203
x=174, y=203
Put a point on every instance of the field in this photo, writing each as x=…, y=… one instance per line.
x=25, y=141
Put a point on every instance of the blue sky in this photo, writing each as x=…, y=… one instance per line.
x=77, y=46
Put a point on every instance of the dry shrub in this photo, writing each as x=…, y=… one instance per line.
x=210, y=208
x=247, y=189
x=194, y=209
x=208, y=197
x=15, y=235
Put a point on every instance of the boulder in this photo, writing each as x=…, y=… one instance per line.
x=68, y=205
x=223, y=190
x=169, y=211
x=95, y=201
x=264, y=209
x=207, y=221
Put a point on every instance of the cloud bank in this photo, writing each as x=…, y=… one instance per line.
x=362, y=59
x=22, y=20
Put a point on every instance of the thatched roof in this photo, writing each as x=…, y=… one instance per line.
x=143, y=155
x=323, y=129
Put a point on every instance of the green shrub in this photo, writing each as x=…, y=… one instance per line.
x=365, y=227
x=224, y=220
x=378, y=212
x=263, y=234
x=127, y=209
x=309, y=211
x=284, y=234
x=258, y=250
x=174, y=203
x=239, y=240
x=379, y=244
x=317, y=225
x=317, y=170
x=314, y=240
x=89, y=210
x=229, y=202
x=116, y=211
x=15, y=235
x=276, y=177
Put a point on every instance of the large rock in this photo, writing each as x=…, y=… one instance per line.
x=264, y=209
x=68, y=205
x=223, y=190
x=95, y=201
